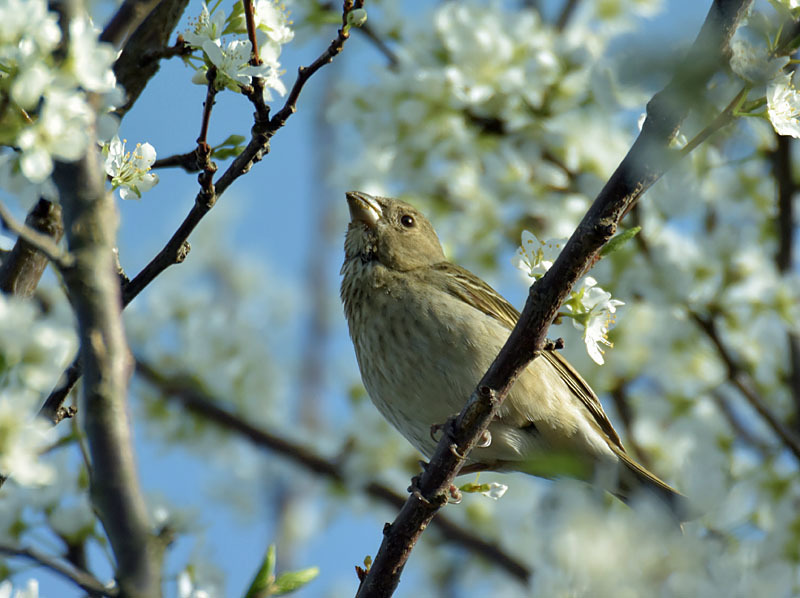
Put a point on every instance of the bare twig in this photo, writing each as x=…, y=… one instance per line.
x=203, y=151
x=187, y=161
x=127, y=18
x=39, y=241
x=566, y=13
x=745, y=384
x=380, y=45
x=90, y=223
x=785, y=221
x=645, y=163
x=737, y=425
x=83, y=579
x=619, y=394
x=24, y=265
x=195, y=400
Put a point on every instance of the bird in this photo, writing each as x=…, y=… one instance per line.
x=425, y=331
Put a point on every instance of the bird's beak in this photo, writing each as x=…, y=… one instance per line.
x=363, y=208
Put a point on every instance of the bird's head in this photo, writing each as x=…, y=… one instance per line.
x=391, y=232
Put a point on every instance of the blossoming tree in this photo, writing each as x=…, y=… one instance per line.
x=504, y=122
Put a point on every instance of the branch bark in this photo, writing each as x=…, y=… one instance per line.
x=785, y=222
x=90, y=221
x=25, y=264
x=648, y=159
x=84, y=580
x=139, y=60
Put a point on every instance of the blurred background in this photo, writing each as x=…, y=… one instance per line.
x=493, y=118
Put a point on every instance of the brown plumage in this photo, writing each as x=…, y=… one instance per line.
x=425, y=330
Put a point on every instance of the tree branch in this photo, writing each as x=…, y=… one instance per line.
x=128, y=17
x=198, y=402
x=139, y=60
x=786, y=188
x=81, y=578
x=36, y=241
x=648, y=159
x=745, y=384
x=24, y=265
x=90, y=220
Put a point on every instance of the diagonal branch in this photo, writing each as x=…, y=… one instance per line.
x=127, y=18
x=746, y=385
x=39, y=241
x=24, y=265
x=785, y=223
x=199, y=403
x=83, y=579
x=648, y=159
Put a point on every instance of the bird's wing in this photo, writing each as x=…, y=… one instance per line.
x=464, y=285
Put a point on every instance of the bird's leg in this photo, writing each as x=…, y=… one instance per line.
x=455, y=494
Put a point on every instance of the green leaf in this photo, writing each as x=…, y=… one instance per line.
x=233, y=140
x=232, y=146
x=292, y=580
x=619, y=240
x=263, y=580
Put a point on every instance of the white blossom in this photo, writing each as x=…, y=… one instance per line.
x=274, y=20
x=91, y=60
x=31, y=590
x=207, y=28
x=495, y=491
x=535, y=257
x=60, y=132
x=130, y=171
x=592, y=310
x=752, y=57
x=783, y=106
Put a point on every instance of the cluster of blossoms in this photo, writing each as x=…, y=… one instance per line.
x=48, y=114
x=590, y=308
x=754, y=57
x=33, y=349
x=231, y=56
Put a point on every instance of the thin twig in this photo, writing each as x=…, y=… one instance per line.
x=126, y=19
x=63, y=260
x=619, y=394
x=24, y=265
x=786, y=188
x=198, y=402
x=83, y=579
x=380, y=45
x=737, y=425
x=566, y=13
x=187, y=161
x=203, y=151
x=745, y=384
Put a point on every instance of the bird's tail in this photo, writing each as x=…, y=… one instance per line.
x=633, y=478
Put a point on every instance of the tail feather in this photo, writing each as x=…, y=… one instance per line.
x=633, y=477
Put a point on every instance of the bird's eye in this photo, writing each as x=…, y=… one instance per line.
x=407, y=221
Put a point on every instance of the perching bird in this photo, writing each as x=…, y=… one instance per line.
x=426, y=330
